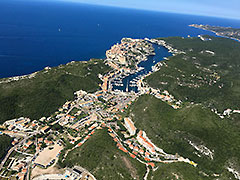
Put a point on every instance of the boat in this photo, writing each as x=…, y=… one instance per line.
x=127, y=87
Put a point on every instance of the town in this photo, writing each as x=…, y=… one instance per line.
x=39, y=145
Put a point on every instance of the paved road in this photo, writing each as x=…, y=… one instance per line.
x=12, y=149
x=30, y=163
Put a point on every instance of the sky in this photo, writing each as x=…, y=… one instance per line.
x=217, y=8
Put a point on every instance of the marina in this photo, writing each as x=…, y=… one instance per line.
x=127, y=82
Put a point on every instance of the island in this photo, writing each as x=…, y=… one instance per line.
x=229, y=32
x=115, y=118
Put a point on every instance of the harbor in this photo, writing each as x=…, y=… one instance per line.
x=127, y=82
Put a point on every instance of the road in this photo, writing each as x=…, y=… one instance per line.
x=12, y=149
x=30, y=162
x=147, y=172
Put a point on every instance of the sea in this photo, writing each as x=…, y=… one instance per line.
x=39, y=33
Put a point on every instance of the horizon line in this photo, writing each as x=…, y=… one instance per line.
x=139, y=9
x=152, y=10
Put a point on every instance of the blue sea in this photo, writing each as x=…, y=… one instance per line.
x=36, y=34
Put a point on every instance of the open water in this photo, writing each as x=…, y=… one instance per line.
x=36, y=34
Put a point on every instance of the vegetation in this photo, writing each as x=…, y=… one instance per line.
x=173, y=129
x=202, y=77
x=176, y=171
x=5, y=144
x=221, y=31
x=102, y=158
x=206, y=77
x=48, y=90
x=57, y=127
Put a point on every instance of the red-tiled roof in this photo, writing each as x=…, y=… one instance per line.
x=132, y=155
x=147, y=159
x=151, y=164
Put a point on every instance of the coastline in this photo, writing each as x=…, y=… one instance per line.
x=21, y=55
x=216, y=33
x=44, y=70
x=104, y=107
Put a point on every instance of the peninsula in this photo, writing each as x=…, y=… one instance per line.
x=229, y=32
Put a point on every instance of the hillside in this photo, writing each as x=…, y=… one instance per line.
x=5, y=144
x=220, y=31
x=101, y=157
x=174, y=130
x=206, y=78
x=186, y=115
x=207, y=73
x=42, y=93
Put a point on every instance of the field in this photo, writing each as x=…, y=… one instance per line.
x=40, y=171
x=48, y=154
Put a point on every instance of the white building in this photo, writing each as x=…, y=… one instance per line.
x=130, y=126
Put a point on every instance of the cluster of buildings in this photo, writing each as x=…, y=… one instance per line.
x=75, y=173
x=18, y=164
x=20, y=124
x=20, y=167
x=89, y=132
x=26, y=145
x=138, y=146
x=226, y=112
x=41, y=144
x=79, y=112
x=129, y=52
x=39, y=150
x=164, y=95
x=220, y=31
x=168, y=46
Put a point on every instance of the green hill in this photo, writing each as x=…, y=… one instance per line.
x=206, y=77
x=48, y=90
x=173, y=129
x=101, y=157
x=200, y=76
x=5, y=144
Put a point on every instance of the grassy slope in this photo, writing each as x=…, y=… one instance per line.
x=198, y=123
x=183, y=171
x=170, y=129
x=176, y=170
x=102, y=158
x=5, y=143
x=227, y=55
x=42, y=95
